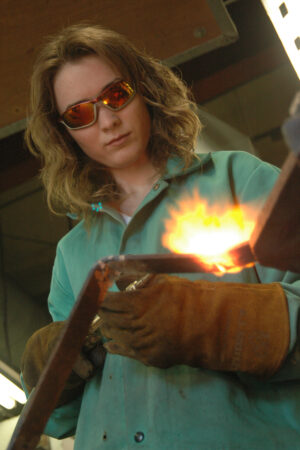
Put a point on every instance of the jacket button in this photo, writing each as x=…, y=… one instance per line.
x=139, y=436
x=156, y=186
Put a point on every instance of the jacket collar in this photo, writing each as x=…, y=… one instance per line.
x=175, y=165
x=174, y=168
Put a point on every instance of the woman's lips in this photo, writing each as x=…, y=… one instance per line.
x=118, y=140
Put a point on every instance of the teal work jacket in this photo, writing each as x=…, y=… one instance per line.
x=133, y=406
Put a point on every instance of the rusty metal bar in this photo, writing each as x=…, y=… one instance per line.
x=275, y=241
x=171, y=262
x=276, y=238
x=44, y=397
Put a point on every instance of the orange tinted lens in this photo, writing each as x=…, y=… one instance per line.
x=117, y=95
x=79, y=115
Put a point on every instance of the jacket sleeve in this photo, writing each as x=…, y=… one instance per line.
x=61, y=297
x=256, y=188
x=290, y=283
x=63, y=420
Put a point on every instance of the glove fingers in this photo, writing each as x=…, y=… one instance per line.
x=128, y=302
x=122, y=321
x=83, y=367
x=121, y=349
x=137, y=337
x=117, y=348
x=118, y=333
x=91, y=340
x=117, y=301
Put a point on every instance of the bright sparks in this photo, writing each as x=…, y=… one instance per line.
x=198, y=229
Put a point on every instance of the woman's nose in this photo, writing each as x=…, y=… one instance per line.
x=107, y=118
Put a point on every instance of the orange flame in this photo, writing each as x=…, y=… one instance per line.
x=195, y=228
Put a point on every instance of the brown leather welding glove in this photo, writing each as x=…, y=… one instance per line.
x=214, y=325
x=39, y=348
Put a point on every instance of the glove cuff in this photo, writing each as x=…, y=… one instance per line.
x=249, y=329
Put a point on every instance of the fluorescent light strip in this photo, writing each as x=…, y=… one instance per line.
x=6, y=401
x=285, y=15
x=10, y=393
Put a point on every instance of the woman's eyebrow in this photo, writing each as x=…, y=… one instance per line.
x=89, y=99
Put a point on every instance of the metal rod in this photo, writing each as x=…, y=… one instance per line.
x=44, y=397
x=172, y=262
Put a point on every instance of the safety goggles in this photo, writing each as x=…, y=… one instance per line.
x=83, y=114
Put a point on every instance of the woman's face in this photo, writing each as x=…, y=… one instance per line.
x=118, y=139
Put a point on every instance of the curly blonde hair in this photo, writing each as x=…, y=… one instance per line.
x=72, y=180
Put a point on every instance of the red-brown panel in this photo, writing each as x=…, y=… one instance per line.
x=236, y=74
x=163, y=28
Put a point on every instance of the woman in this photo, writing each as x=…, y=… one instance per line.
x=193, y=361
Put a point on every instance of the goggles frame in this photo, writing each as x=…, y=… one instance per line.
x=101, y=98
